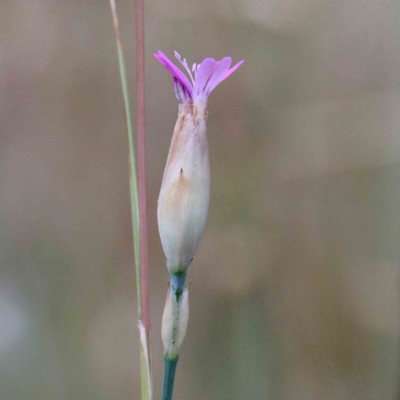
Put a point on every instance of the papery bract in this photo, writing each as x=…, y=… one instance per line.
x=185, y=190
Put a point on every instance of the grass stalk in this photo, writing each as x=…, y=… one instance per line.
x=137, y=198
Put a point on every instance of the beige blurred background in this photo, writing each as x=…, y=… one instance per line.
x=295, y=286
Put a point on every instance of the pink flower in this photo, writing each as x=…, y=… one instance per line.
x=185, y=189
x=204, y=77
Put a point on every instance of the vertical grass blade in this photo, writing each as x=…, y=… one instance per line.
x=133, y=184
x=138, y=207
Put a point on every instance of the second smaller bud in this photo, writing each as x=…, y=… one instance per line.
x=174, y=322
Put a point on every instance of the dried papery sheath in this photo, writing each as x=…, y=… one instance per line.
x=184, y=195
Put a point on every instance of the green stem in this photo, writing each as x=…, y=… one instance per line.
x=133, y=182
x=169, y=376
x=177, y=282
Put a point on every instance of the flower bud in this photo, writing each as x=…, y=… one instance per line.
x=185, y=190
x=174, y=322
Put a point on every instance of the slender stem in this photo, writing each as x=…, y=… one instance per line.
x=140, y=130
x=133, y=184
x=140, y=126
x=169, y=377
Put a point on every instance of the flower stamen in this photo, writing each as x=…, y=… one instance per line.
x=185, y=65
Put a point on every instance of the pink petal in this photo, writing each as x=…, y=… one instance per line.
x=210, y=74
x=219, y=73
x=174, y=70
x=233, y=69
x=203, y=75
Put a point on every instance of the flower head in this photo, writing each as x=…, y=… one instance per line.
x=185, y=189
x=203, y=77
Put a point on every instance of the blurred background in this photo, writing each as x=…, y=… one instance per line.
x=295, y=286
